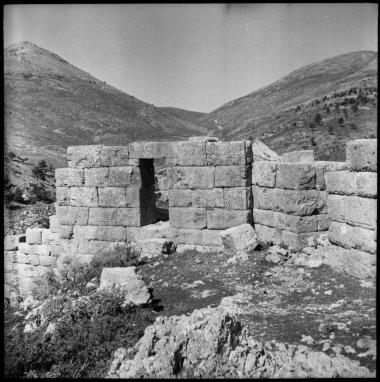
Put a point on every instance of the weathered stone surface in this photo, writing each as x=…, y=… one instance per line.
x=124, y=177
x=114, y=197
x=296, y=241
x=25, y=248
x=47, y=261
x=88, y=232
x=240, y=239
x=361, y=154
x=347, y=236
x=219, y=218
x=268, y=234
x=265, y=217
x=66, y=231
x=207, y=198
x=72, y=215
x=153, y=247
x=352, y=183
x=158, y=230
x=232, y=176
x=264, y=173
x=11, y=242
x=53, y=223
x=99, y=246
x=295, y=202
x=96, y=177
x=295, y=176
x=34, y=235
x=151, y=150
x=196, y=236
x=84, y=197
x=227, y=153
x=203, y=138
x=187, y=217
x=114, y=156
x=297, y=224
x=129, y=217
x=237, y=198
x=323, y=222
x=126, y=278
x=180, y=198
x=62, y=196
x=354, y=210
x=69, y=177
x=323, y=167
x=261, y=152
x=103, y=216
x=304, y=156
x=109, y=233
x=84, y=156
x=134, y=234
x=188, y=154
x=192, y=177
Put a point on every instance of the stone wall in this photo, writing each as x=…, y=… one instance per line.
x=352, y=206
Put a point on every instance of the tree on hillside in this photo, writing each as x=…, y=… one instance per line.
x=318, y=119
x=39, y=171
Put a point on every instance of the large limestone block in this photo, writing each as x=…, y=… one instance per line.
x=130, y=217
x=136, y=291
x=187, y=217
x=264, y=173
x=180, y=197
x=191, y=177
x=196, y=236
x=109, y=233
x=151, y=150
x=261, y=152
x=84, y=156
x=153, y=247
x=62, y=196
x=347, y=236
x=323, y=222
x=295, y=176
x=114, y=196
x=242, y=238
x=47, y=261
x=323, y=167
x=237, y=198
x=42, y=250
x=220, y=218
x=11, y=242
x=268, y=234
x=124, y=177
x=208, y=198
x=88, y=232
x=228, y=153
x=297, y=224
x=34, y=235
x=114, y=156
x=354, y=210
x=80, y=245
x=201, y=249
x=72, y=215
x=233, y=176
x=352, y=183
x=158, y=230
x=361, y=154
x=297, y=241
x=84, y=197
x=66, y=231
x=133, y=234
x=69, y=177
x=100, y=246
x=53, y=223
x=294, y=202
x=304, y=156
x=188, y=154
x=96, y=177
x=265, y=217
x=103, y=216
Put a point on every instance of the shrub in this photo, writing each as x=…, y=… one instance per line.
x=41, y=193
x=45, y=286
x=318, y=119
x=39, y=171
x=313, y=142
x=341, y=121
x=331, y=130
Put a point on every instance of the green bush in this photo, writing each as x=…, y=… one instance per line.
x=46, y=286
x=40, y=193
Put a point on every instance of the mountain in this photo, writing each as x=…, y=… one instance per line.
x=284, y=115
x=50, y=104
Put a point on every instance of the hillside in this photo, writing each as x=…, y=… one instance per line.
x=342, y=90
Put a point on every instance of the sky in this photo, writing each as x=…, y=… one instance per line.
x=193, y=56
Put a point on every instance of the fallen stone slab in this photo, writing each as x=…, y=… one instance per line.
x=136, y=292
x=238, y=239
x=155, y=247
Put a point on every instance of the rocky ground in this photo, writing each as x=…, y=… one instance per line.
x=282, y=302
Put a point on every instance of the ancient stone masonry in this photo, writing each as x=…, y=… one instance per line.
x=352, y=206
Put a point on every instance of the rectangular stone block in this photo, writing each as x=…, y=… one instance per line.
x=62, y=196
x=124, y=177
x=352, y=183
x=11, y=242
x=219, y=218
x=100, y=247
x=196, y=236
x=261, y=152
x=34, y=235
x=129, y=217
x=102, y=216
x=227, y=153
x=187, y=217
x=96, y=177
x=237, y=198
x=180, y=198
x=304, y=156
x=295, y=176
x=361, y=154
x=232, y=176
x=23, y=258
x=353, y=210
x=42, y=250
x=268, y=234
x=296, y=241
x=149, y=150
x=133, y=234
x=114, y=156
x=188, y=154
x=53, y=223
x=47, y=261
x=84, y=156
x=69, y=177
x=72, y=215
x=323, y=167
x=207, y=198
x=323, y=222
x=264, y=173
x=80, y=245
x=112, y=197
x=109, y=233
x=84, y=196
x=88, y=232
x=347, y=236
x=294, y=202
x=66, y=231
x=191, y=177
x=265, y=217
x=26, y=248
x=297, y=224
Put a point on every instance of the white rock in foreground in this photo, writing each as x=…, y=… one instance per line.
x=239, y=239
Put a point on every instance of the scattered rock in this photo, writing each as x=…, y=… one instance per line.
x=349, y=350
x=237, y=239
x=328, y=292
x=307, y=339
x=240, y=257
x=326, y=346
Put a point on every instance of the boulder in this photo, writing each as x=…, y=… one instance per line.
x=238, y=239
